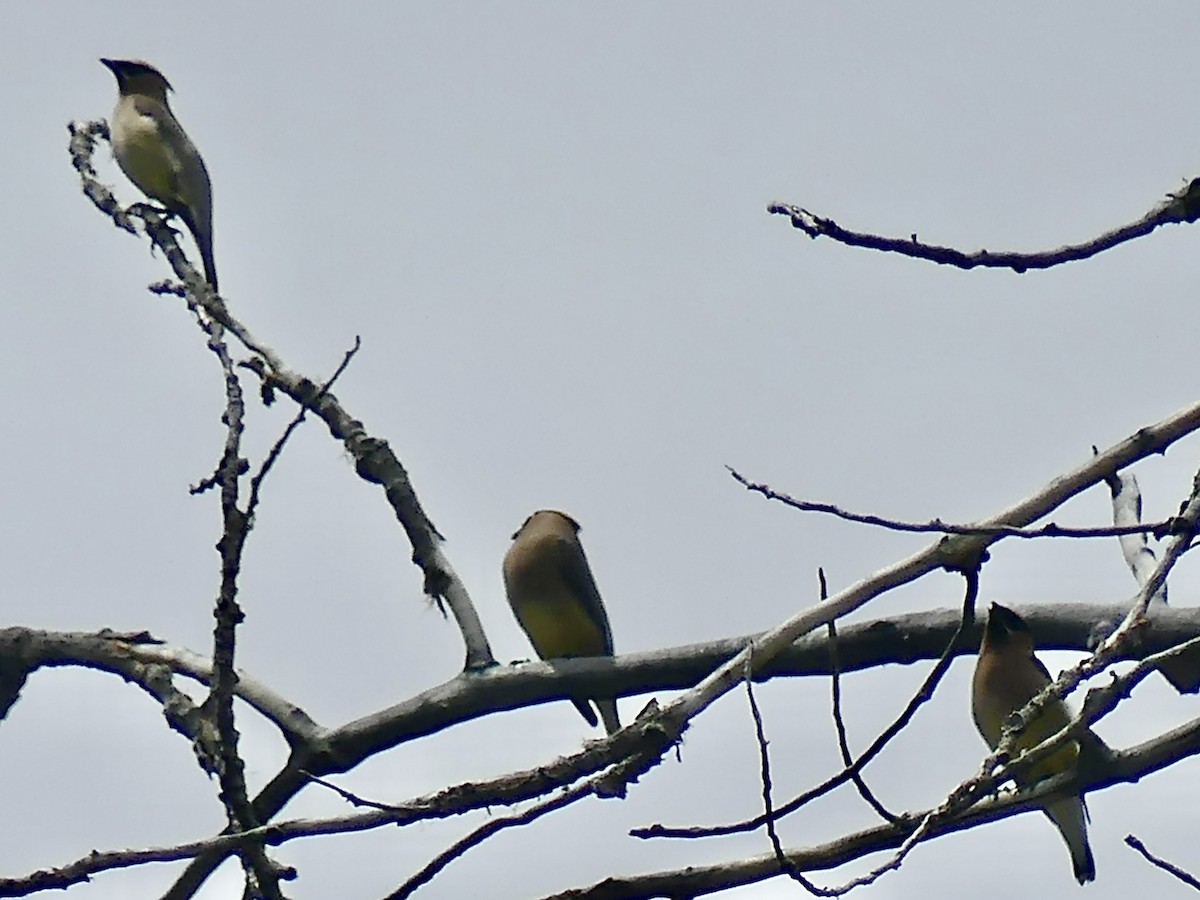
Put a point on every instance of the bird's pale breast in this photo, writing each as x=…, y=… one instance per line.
x=139, y=149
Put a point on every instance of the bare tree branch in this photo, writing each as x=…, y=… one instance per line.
x=277, y=448
x=513, y=788
x=28, y=649
x=294, y=724
x=937, y=526
x=693, y=881
x=1127, y=513
x=1183, y=875
x=606, y=768
x=82, y=147
x=999, y=767
x=262, y=874
x=1182, y=672
x=959, y=552
x=965, y=794
x=764, y=765
x=851, y=768
x=1182, y=534
x=904, y=639
x=604, y=785
x=374, y=460
x=953, y=646
x=1180, y=206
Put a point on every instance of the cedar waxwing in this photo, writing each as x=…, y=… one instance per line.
x=154, y=152
x=551, y=590
x=1007, y=676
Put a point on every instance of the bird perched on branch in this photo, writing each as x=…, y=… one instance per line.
x=1007, y=676
x=554, y=597
x=156, y=154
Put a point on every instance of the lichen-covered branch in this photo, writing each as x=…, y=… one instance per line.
x=374, y=460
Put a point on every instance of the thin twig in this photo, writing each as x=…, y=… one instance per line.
x=937, y=526
x=374, y=460
x=764, y=764
x=839, y=724
x=604, y=784
x=1186, y=877
x=277, y=449
x=482, y=833
x=923, y=694
x=349, y=796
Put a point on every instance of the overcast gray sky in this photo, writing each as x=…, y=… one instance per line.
x=547, y=222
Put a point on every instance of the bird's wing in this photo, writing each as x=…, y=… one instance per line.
x=577, y=574
x=1041, y=667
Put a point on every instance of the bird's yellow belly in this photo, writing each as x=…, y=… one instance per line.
x=558, y=628
x=147, y=163
x=1050, y=722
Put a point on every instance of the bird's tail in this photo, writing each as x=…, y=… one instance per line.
x=202, y=232
x=586, y=711
x=1070, y=818
x=608, y=713
x=204, y=242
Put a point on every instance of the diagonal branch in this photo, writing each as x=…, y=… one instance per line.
x=277, y=448
x=374, y=460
